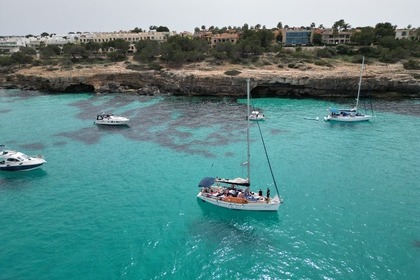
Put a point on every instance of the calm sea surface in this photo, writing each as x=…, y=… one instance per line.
x=120, y=202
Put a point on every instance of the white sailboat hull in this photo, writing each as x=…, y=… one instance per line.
x=272, y=205
x=349, y=118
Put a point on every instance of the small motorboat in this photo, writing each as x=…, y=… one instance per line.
x=256, y=116
x=11, y=160
x=110, y=119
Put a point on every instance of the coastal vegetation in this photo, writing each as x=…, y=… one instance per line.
x=255, y=46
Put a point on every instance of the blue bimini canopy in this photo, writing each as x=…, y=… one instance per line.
x=206, y=182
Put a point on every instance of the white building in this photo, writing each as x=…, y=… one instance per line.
x=11, y=45
x=402, y=34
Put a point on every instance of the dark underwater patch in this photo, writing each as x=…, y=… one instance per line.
x=169, y=123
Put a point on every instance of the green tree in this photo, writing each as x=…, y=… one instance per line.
x=223, y=51
x=28, y=50
x=147, y=51
x=6, y=61
x=178, y=50
x=49, y=51
x=75, y=51
x=162, y=29
x=21, y=58
x=364, y=37
x=136, y=30
x=266, y=38
x=279, y=38
x=340, y=25
x=119, y=45
x=317, y=39
x=388, y=42
x=116, y=56
x=261, y=38
x=383, y=30
x=249, y=46
x=93, y=47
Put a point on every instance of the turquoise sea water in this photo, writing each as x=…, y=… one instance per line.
x=120, y=203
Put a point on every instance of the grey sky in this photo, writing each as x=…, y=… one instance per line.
x=22, y=17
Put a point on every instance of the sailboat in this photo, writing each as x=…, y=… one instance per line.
x=352, y=114
x=236, y=193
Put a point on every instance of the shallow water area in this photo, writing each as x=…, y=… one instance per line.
x=120, y=202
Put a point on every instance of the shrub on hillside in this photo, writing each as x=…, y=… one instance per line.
x=326, y=52
x=6, y=61
x=411, y=65
x=232, y=72
x=321, y=62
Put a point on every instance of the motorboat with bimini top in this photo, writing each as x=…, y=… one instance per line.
x=11, y=160
x=110, y=119
x=236, y=193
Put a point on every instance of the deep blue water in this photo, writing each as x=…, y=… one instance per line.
x=120, y=203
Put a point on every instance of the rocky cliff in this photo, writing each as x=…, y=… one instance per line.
x=312, y=81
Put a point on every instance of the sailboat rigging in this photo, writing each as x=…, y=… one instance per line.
x=236, y=193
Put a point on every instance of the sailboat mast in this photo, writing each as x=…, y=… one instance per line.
x=247, y=132
x=360, y=83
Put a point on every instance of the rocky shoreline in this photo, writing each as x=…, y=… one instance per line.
x=303, y=81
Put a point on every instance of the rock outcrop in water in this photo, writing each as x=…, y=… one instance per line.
x=315, y=82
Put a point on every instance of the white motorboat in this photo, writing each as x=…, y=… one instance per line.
x=256, y=116
x=11, y=160
x=236, y=193
x=349, y=115
x=110, y=119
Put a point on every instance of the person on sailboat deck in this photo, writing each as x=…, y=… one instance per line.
x=260, y=192
x=233, y=192
x=268, y=194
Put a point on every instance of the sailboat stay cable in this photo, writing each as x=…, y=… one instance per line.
x=370, y=99
x=263, y=142
x=360, y=82
x=268, y=159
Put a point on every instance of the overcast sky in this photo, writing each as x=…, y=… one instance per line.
x=23, y=17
